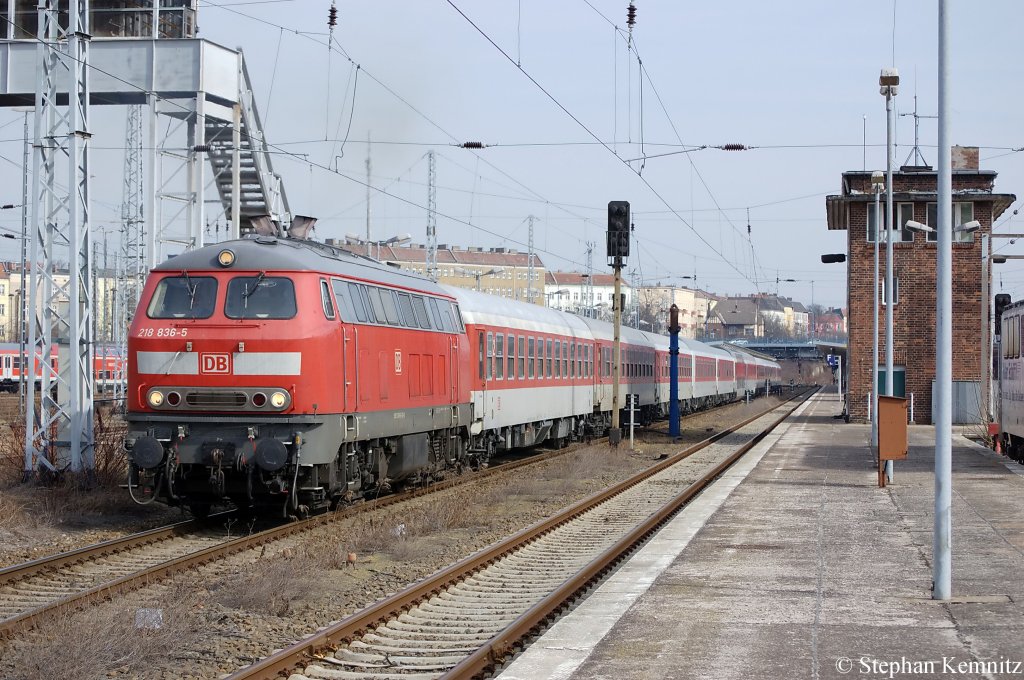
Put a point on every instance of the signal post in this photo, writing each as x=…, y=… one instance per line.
x=618, y=251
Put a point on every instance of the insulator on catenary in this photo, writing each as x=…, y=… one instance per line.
x=332, y=16
x=733, y=147
x=472, y=145
x=201, y=148
x=631, y=15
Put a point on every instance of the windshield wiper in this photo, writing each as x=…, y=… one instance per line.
x=246, y=292
x=191, y=290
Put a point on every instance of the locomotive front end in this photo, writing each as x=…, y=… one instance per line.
x=218, y=409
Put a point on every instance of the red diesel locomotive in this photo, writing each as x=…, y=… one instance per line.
x=286, y=375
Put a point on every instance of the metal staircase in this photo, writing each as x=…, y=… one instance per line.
x=261, y=190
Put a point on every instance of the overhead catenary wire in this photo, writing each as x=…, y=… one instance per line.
x=301, y=158
x=591, y=133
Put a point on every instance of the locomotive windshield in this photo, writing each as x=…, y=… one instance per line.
x=183, y=297
x=260, y=297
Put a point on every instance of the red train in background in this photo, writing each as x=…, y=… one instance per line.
x=109, y=367
x=286, y=375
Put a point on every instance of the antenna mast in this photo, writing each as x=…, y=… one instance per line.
x=916, y=153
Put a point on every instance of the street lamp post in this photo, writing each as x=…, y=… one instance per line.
x=877, y=185
x=888, y=82
x=942, y=536
x=480, y=275
x=393, y=241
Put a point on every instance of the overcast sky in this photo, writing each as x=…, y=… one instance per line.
x=795, y=80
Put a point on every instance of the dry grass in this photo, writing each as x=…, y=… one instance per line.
x=267, y=587
x=55, y=500
x=101, y=640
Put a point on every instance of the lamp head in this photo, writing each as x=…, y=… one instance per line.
x=889, y=78
x=917, y=226
x=968, y=227
x=877, y=180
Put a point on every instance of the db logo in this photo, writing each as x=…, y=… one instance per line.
x=214, y=363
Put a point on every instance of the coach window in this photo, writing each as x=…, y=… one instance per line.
x=522, y=357
x=405, y=309
x=510, y=356
x=499, y=356
x=540, y=358
x=549, y=356
x=325, y=298
x=420, y=308
x=435, y=314
x=529, y=370
x=459, y=326
x=371, y=315
x=183, y=297
x=377, y=304
x=572, y=359
x=480, y=353
x=386, y=300
x=356, y=301
x=260, y=297
x=490, y=355
x=558, y=359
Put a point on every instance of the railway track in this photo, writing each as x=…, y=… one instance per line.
x=33, y=591
x=466, y=619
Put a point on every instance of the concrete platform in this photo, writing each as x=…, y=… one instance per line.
x=796, y=565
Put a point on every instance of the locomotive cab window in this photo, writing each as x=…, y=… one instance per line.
x=183, y=297
x=325, y=297
x=260, y=297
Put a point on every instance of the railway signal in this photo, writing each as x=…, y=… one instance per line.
x=618, y=250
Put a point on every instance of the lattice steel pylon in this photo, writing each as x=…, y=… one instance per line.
x=530, y=258
x=61, y=434
x=588, y=283
x=431, y=216
x=131, y=263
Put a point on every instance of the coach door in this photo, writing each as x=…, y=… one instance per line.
x=7, y=372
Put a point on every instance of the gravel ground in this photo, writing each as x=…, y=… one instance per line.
x=220, y=617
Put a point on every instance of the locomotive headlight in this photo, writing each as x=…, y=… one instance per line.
x=226, y=258
x=278, y=399
x=156, y=398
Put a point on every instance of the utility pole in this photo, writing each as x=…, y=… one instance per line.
x=618, y=251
